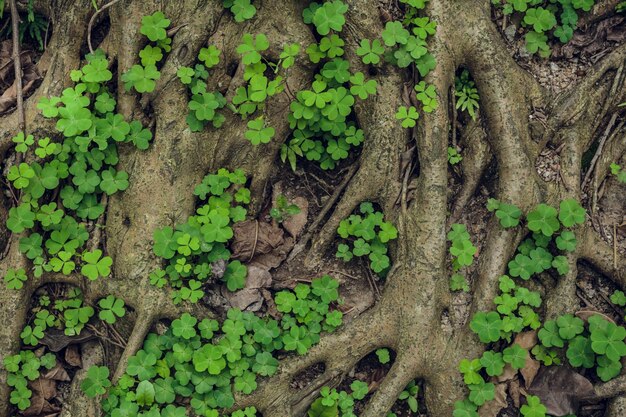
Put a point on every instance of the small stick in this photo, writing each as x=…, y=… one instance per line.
x=605, y=135
x=453, y=103
x=17, y=64
x=299, y=247
x=93, y=18
x=343, y=273
x=615, y=246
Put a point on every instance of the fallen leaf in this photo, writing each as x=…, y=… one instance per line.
x=529, y=371
x=8, y=86
x=294, y=225
x=253, y=238
x=560, y=389
x=514, y=392
x=45, y=387
x=492, y=408
x=250, y=298
x=508, y=373
x=56, y=339
x=72, y=356
x=526, y=339
x=585, y=314
x=58, y=373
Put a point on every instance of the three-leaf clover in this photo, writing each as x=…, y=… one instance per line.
x=407, y=115
x=370, y=51
x=153, y=26
x=95, y=265
x=111, y=309
x=330, y=16
x=257, y=133
x=97, y=381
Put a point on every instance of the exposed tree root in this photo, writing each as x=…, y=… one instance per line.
x=408, y=316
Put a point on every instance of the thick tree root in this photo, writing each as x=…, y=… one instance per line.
x=408, y=316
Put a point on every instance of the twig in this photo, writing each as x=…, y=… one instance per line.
x=453, y=111
x=299, y=247
x=605, y=135
x=343, y=273
x=17, y=64
x=615, y=246
x=405, y=184
x=93, y=18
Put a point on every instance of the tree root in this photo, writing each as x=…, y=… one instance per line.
x=476, y=158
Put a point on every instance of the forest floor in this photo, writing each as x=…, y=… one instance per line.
x=312, y=189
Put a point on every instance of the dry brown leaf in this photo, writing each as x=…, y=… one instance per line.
x=514, y=392
x=253, y=238
x=526, y=339
x=560, y=389
x=529, y=371
x=492, y=408
x=585, y=314
x=250, y=297
x=294, y=225
x=72, y=356
x=508, y=373
x=30, y=76
x=56, y=339
x=45, y=387
x=57, y=373
x=275, y=257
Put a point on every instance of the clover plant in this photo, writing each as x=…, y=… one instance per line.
x=283, y=210
x=367, y=234
x=597, y=343
x=324, y=129
x=242, y=10
x=542, y=18
x=79, y=169
x=618, y=172
x=194, y=250
x=142, y=77
x=202, y=363
x=23, y=368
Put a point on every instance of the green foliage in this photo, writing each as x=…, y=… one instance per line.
x=22, y=368
x=539, y=20
x=487, y=325
x=327, y=16
x=95, y=265
x=192, y=249
x=203, y=363
x=533, y=407
x=324, y=129
x=242, y=10
x=383, y=355
x=283, y=210
x=96, y=382
x=454, y=156
x=78, y=169
x=368, y=234
x=408, y=116
x=111, y=308
x=615, y=170
x=461, y=247
x=370, y=51
x=459, y=283
x=466, y=93
x=508, y=214
x=257, y=133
